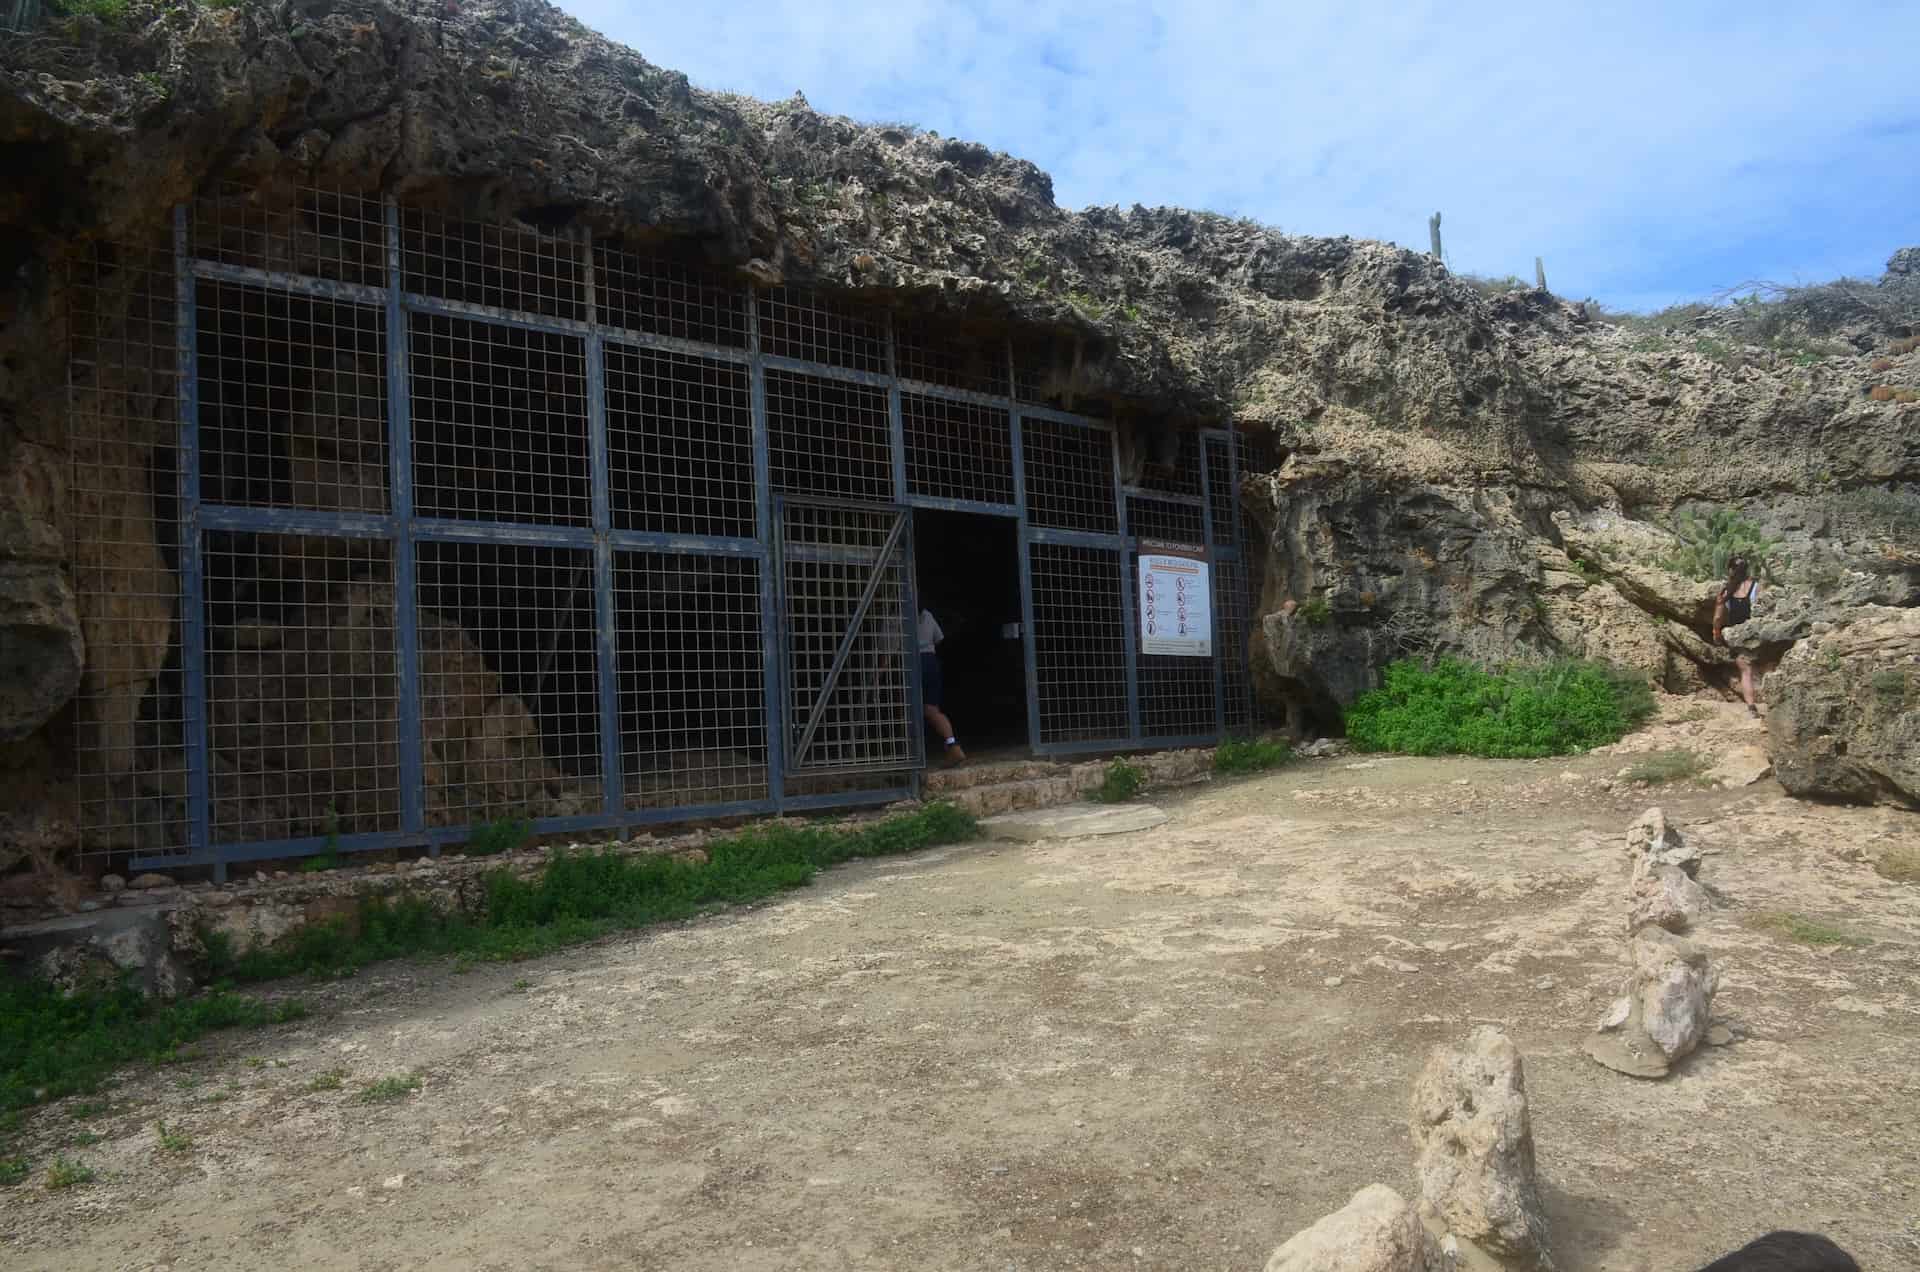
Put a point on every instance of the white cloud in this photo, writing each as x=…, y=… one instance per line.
x=1647, y=150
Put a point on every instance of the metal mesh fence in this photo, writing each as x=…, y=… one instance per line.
x=1223, y=501
x=1069, y=470
x=499, y=423
x=829, y=438
x=301, y=687
x=498, y=266
x=692, y=679
x=279, y=652
x=123, y=420
x=799, y=324
x=293, y=400
x=1161, y=519
x=680, y=444
x=1231, y=635
x=1079, y=639
x=666, y=298
x=845, y=588
x=958, y=450
x=332, y=234
x=509, y=701
x=934, y=353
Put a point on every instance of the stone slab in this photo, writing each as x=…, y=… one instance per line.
x=1073, y=821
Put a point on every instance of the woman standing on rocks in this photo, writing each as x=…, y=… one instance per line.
x=1731, y=608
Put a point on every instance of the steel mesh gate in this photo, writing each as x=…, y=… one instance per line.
x=388, y=524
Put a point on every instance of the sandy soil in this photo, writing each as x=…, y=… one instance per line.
x=1125, y=1052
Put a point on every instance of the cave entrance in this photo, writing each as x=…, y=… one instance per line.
x=967, y=567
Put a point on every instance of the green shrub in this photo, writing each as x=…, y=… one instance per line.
x=1708, y=543
x=1880, y=512
x=1453, y=708
x=491, y=838
x=390, y=1089
x=13, y=1170
x=1667, y=766
x=1121, y=783
x=68, y=1174
x=53, y=1045
x=1316, y=612
x=1250, y=755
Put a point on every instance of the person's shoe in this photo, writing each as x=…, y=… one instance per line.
x=955, y=755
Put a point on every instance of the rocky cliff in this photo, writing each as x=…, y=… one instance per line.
x=1450, y=467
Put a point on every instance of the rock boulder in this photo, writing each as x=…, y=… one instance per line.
x=1375, y=1232
x=1844, y=720
x=1663, y=1011
x=1474, y=1139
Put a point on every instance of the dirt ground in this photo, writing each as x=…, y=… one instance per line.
x=1169, y=1049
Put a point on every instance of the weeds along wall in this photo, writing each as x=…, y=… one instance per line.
x=388, y=525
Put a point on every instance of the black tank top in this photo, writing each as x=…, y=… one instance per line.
x=1739, y=608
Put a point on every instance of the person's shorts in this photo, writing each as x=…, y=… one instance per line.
x=932, y=688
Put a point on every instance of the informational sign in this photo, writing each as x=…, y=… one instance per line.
x=1176, y=606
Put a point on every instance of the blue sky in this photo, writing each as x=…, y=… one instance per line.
x=1650, y=152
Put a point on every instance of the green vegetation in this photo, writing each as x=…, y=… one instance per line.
x=1121, y=783
x=173, y=1141
x=328, y=1081
x=111, y=11
x=387, y=1090
x=489, y=839
x=1890, y=685
x=1662, y=767
x=1708, y=543
x=1491, y=287
x=13, y=1170
x=1250, y=755
x=1316, y=612
x=1798, y=927
x=1589, y=573
x=68, y=1174
x=52, y=1045
x=1453, y=708
x=328, y=858
x=581, y=896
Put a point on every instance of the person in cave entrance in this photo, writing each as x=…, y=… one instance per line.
x=932, y=690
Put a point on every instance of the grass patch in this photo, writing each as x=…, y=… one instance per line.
x=328, y=1081
x=386, y=1090
x=13, y=1170
x=580, y=896
x=1121, y=782
x=1250, y=755
x=1798, y=927
x=1316, y=612
x=65, y=1173
x=53, y=1046
x=1454, y=708
x=1667, y=766
x=492, y=838
x=173, y=1141
x=1900, y=864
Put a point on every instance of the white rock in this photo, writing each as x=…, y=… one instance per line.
x=1664, y=897
x=1474, y=1140
x=1375, y=1232
x=112, y=883
x=393, y=1183
x=1675, y=991
x=1651, y=841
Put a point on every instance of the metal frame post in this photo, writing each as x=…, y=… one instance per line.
x=605, y=619
x=406, y=595
x=767, y=531
x=1129, y=615
x=193, y=613
x=1213, y=561
x=1030, y=654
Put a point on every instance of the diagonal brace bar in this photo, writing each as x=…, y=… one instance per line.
x=848, y=637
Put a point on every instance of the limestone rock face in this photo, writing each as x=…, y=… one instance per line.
x=1474, y=1139
x=1844, y=714
x=1663, y=1011
x=1375, y=1232
x=1652, y=842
